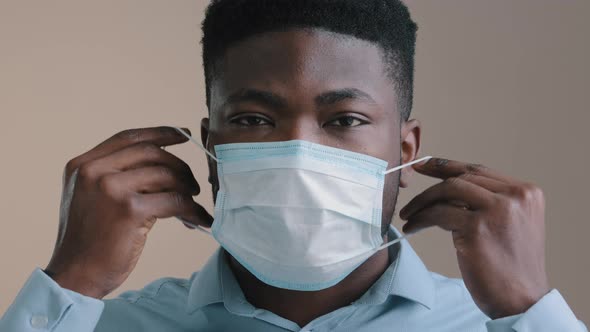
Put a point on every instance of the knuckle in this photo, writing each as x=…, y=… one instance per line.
x=87, y=171
x=131, y=204
x=189, y=176
x=185, y=167
x=535, y=192
x=106, y=184
x=475, y=168
x=528, y=193
x=150, y=150
x=466, y=176
x=438, y=162
x=539, y=194
x=452, y=181
x=164, y=172
x=71, y=166
x=178, y=201
x=521, y=193
x=509, y=206
x=479, y=227
x=130, y=135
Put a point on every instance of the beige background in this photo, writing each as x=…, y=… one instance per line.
x=504, y=83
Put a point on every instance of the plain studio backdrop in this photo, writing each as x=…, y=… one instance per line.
x=502, y=83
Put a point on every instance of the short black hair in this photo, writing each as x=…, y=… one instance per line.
x=386, y=23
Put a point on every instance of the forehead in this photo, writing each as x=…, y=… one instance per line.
x=300, y=61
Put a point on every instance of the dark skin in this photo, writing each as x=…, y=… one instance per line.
x=324, y=88
x=321, y=88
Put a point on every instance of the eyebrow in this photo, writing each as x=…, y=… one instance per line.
x=258, y=96
x=275, y=101
x=335, y=96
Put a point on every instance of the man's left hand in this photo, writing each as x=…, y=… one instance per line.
x=498, y=229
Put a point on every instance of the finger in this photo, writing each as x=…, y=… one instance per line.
x=171, y=204
x=445, y=216
x=444, y=168
x=160, y=136
x=142, y=155
x=490, y=184
x=152, y=179
x=452, y=189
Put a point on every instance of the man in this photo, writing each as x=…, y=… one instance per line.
x=335, y=77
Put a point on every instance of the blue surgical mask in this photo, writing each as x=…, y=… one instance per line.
x=296, y=214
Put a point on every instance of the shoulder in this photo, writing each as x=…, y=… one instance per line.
x=160, y=291
x=158, y=304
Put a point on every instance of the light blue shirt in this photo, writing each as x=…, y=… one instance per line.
x=406, y=298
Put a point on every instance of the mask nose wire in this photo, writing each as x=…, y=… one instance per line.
x=197, y=144
x=395, y=169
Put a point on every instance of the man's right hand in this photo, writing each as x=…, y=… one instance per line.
x=112, y=196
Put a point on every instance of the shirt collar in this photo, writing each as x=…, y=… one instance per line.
x=205, y=288
x=406, y=277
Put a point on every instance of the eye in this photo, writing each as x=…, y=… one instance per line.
x=346, y=121
x=250, y=120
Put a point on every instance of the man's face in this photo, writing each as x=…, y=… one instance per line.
x=311, y=85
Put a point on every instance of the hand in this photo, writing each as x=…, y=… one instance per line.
x=498, y=229
x=112, y=197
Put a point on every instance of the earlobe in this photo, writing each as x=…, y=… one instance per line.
x=410, y=148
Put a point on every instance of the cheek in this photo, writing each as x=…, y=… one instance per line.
x=219, y=133
x=390, y=191
x=385, y=140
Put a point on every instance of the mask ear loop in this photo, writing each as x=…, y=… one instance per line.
x=203, y=230
x=200, y=146
x=390, y=243
x=197, y=144
x=395, y=169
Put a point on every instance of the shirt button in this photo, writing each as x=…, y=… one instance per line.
x=39, y=321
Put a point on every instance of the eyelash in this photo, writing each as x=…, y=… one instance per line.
x=236, y=120
x=246, y=117
x=347, y=117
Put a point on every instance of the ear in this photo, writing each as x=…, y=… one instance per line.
x=410, y=148
x=205, y=143
x=205, y=132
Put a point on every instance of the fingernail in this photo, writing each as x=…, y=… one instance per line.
x=187, y=224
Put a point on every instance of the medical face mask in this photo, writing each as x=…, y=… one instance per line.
x=296, y=214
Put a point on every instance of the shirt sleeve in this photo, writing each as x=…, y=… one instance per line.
x=43, y=305
x=550, y=314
